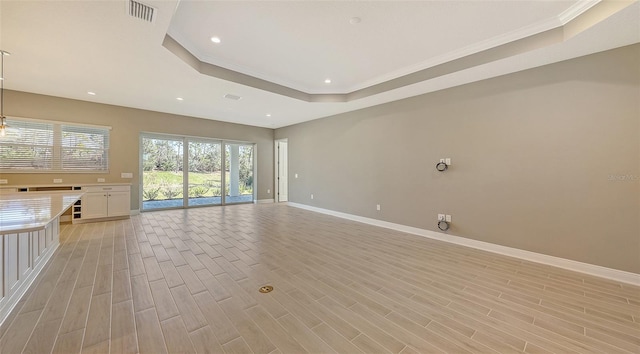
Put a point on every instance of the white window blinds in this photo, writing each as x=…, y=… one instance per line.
x=85, y=148
x=35, y=146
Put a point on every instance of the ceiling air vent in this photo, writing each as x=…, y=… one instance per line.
x=141, y=11
x=232, y=97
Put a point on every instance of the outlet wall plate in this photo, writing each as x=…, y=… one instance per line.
x=4, y=181
x=57, y=180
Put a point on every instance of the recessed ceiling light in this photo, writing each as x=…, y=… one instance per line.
x=91, y=93
x=179, y=98
x=355, y=20
x=215, y=39
x=327, y=81
x=268, y=114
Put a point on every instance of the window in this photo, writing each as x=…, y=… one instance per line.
x=41, y=146
x=85, y=148
x=181, y=172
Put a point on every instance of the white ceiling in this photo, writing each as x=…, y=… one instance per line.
x=65, y=49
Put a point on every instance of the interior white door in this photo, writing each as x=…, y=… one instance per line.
x=283, y=170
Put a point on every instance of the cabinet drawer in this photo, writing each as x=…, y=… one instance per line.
x=90, y=189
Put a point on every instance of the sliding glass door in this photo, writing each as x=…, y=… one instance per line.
x=239, y=173
x=180, y=172
x=162, y=173
x=205, y=173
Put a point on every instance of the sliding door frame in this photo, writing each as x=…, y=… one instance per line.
x=185, y=167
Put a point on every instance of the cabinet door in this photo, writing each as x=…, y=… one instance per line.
x=119, y=203
x=94, y=205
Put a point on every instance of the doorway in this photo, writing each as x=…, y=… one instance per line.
x=282, y=170
x=180, y=172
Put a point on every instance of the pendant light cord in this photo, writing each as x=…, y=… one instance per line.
x=3, y=122
x=2, y=86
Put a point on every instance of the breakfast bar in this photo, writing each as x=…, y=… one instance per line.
x=29, y=227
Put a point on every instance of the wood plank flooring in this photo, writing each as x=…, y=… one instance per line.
x=186, y=281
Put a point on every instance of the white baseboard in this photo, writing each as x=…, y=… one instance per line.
x=263, y=201
x=135, y=211
x=591, y=269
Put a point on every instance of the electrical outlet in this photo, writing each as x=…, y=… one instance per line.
x=57, y=180
x=126, y=175
x=100, y=180
x=4, y=181
x=441, y=217
x=311, y=196
x=268, y=191
x=448, y=161
x=448, y=218
x=378, y=207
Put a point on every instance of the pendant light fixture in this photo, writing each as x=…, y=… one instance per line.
x=3, y=119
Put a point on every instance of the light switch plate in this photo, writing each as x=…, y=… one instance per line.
x=4, y=181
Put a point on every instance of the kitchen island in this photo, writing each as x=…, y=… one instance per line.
x=30, y=234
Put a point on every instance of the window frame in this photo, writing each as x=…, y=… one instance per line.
x=57, y=148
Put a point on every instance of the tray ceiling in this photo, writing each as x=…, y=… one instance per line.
x=276, y=56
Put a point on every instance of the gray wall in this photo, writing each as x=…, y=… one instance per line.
x=532, y=155
x=127, y=124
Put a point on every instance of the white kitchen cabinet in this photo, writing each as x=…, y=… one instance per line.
x=105, y=202
x=94, y=205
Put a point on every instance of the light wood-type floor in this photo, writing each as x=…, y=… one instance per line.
x=187, y=281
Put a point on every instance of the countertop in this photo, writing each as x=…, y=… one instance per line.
x=64, y=185
x=22, y=212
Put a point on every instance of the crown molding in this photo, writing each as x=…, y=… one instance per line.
x=577, y=18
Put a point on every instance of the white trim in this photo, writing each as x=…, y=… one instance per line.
x=60, y=122
x=576, y=10
x=196, y=138
x=15, y=297
x=276, y=169
x=591, y=269
x=263, y=201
